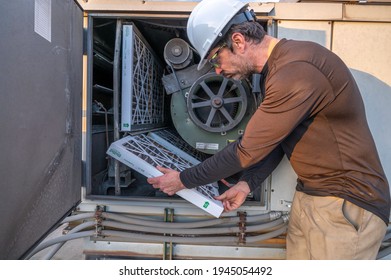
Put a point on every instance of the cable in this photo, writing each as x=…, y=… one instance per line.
x=58, y=246
x=61, y=239
x=192, y=240
x=157, y=238
x=206, y=223
x=265, y=236
x=202, y=231
x=78, y=217
x=148, y=228
x=133, y=219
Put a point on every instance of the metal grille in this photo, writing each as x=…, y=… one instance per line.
x=155, y=154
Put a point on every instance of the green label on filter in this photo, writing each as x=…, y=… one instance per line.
x=125, y=125
x=206, y=204
x=115, y=152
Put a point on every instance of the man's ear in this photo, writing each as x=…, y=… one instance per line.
x=238, y=41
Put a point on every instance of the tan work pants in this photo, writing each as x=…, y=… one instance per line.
x=331, y=228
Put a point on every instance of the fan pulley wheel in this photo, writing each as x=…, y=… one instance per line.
x=216, y=103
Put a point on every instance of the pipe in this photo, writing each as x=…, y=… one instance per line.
x=194, y=231
x=75, y=232
x=265, y=236
x=191, y=240
x=60, y=239
x=273, y=215
x=78, y=217
x=173, y=239
x=206, y=223
x=58, y=246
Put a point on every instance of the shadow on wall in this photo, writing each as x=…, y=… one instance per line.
x=377, y=99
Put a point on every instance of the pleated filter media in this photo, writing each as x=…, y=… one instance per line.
x=142, y=93
x=144, y=152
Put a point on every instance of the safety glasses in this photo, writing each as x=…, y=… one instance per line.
x=214, y=59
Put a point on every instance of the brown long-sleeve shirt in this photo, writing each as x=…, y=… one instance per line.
x=313, y=112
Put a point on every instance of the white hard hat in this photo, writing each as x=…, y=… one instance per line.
x=208, y=21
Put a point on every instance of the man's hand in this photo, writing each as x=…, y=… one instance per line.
x=169, y=183
x=235, y=196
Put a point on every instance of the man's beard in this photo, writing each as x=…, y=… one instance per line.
x=245, y=73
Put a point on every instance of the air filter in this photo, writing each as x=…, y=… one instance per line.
x=142, y=153
x=142, y=87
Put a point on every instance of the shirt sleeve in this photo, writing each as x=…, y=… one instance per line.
x=221, y=165
x=257, y=173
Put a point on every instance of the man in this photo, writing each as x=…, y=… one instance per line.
x=312, y=111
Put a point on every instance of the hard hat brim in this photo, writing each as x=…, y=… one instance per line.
x=202, y=64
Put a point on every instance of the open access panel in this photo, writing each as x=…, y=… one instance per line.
x=146, y=105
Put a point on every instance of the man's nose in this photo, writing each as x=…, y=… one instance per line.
x=218, y=70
